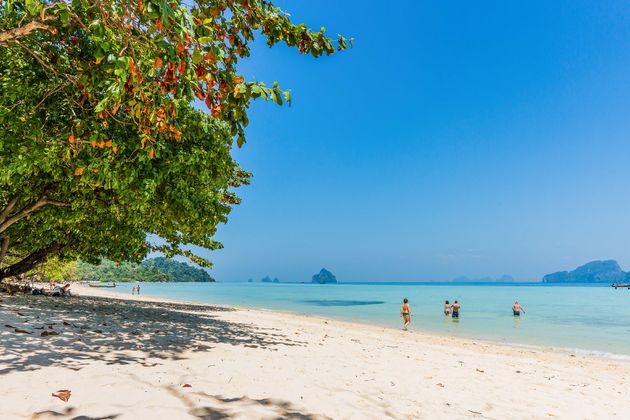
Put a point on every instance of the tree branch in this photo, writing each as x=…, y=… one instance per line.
x=28, y=263
x=12, y=35
x=7, y=210
x=43, y=201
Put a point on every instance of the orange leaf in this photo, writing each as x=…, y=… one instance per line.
x=108, y=143
x=216, y=111
x=78, y=172
x=239, y=79
x=115, y=149
x=101, y=144
x=158, y=63
x=151, y=153
x=199, y=94
x=71, y=138
x=158, y=23
x=210, y=57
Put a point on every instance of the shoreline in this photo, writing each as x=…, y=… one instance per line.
x=129, y=357
x=88, y=291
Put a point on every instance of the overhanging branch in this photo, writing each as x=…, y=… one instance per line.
x=31, y=261
x=43, y=201
x=14, y=34
x=7, y=210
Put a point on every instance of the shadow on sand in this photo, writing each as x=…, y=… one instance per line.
x=101, y=329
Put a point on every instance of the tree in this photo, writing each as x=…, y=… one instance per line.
x=109, y=271
x=99, y=142
x=177, y=271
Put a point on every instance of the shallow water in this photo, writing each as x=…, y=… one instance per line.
x=593, y=318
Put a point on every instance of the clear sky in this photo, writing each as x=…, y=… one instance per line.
x=455, y=138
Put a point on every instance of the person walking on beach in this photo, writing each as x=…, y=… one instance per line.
x=517, y=308
x=405, y=313
x=447, y=308
x=455, y=310
x=133, y=290
x=138, y=289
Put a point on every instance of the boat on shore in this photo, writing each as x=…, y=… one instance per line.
x=101, y=285
x=620, y=285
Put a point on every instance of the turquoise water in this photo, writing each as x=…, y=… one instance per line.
x=576, y=317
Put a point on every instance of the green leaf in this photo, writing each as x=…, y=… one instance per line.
x=196, y=57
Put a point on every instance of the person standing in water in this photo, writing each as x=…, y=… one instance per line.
x=405, y=313
x=447, y=308
x=517, y=308
x=455, y=309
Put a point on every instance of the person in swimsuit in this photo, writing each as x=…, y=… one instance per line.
x=447, y=308
x=455, y=309
x=405, y=313
x=517, y=308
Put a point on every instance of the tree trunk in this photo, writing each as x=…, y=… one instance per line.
x=30, y=262
x=4, y=247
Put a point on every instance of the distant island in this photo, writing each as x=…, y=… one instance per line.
x=607, y=271
x=324, y=277
x=157, y=269
x=268, y=279
x=506, y=278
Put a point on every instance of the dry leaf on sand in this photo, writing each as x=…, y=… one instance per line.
x=62, y=394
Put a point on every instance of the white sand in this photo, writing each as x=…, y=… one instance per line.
x=131, y=359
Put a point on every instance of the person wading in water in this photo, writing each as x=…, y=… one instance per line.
x=455, y=310
x=517, y=309
x=405, y=313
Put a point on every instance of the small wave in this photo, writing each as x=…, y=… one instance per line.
x=326, y=302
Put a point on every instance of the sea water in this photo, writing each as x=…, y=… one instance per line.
x=576, y=317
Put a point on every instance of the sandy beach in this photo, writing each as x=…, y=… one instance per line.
x=139, y=358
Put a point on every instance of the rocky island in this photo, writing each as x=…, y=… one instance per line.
x=324, y=277
x=607, y=271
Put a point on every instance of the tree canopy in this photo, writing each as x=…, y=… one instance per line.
x=100, y=143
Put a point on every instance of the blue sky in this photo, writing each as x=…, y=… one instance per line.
x=455, y=138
